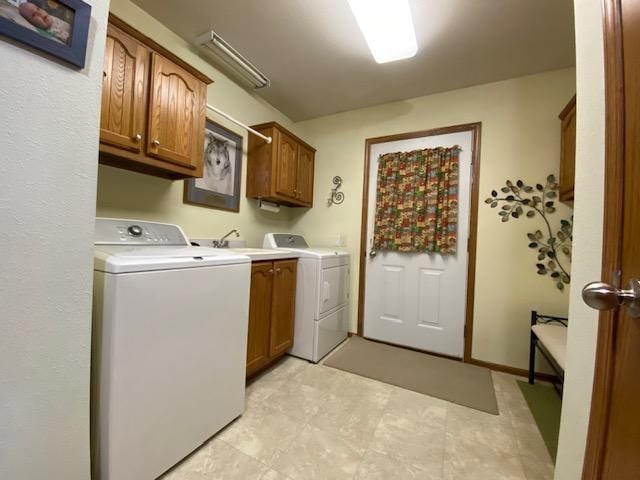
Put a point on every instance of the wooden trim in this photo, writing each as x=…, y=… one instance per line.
x=476, y=129
x=521, y=372
x=612, y=236
x=128, y=29
x=568, y=107
x=276, y=125
x=472, y=242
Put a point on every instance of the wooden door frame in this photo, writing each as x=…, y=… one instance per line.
x=476, y=130
x=612, y=236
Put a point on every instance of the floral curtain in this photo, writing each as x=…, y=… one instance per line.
x=417, y=201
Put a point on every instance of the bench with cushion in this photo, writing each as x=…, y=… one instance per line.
x=549, y=335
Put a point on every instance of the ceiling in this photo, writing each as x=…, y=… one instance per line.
x=319, y=63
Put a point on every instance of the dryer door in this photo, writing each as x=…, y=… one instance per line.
x=334, y=288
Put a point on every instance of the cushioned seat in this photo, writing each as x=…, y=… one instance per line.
x=554, y=338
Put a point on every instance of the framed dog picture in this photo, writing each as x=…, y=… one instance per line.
x=57, y=27
x=219, y=186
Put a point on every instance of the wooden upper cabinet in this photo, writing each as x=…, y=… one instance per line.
x=124, y=87
x=286, y=166
x=153, y=107
x=304, y=191
x=282, y=171
x=258, y=340
x=283, y=308
x=176, y=115
x=567, y=151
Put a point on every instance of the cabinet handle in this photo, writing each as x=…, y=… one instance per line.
x=137, y=137
x=156, y=142
x=271, y=271
x=278, y=270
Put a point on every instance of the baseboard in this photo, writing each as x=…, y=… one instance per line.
x=521, y=372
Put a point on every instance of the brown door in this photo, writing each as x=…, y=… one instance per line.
x=287, y=162
x=259, y=316
x=284, y=306
x=176, y=114
x=124, y=91
x=613, y=445
x=304, y=183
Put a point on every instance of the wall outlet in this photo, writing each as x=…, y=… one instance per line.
x=340, y=240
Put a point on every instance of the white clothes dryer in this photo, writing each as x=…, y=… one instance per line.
x=322, y=296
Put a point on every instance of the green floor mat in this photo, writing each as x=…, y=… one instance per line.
x=545, y=405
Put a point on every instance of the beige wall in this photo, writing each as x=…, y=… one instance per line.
x=49, y=154
x=587, y=250
x=520, y=139
x=131, y=195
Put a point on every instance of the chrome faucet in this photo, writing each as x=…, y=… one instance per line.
x=223, y=242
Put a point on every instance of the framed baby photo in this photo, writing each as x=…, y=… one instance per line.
x=219, y=186
x=57, y=27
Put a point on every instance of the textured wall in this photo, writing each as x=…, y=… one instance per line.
x=49, y=153
x=131, y=195
x=587, y=252
x=520, y=139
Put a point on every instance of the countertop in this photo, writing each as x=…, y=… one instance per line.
x=264, y=254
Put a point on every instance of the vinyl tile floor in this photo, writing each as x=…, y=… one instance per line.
x=308, y=422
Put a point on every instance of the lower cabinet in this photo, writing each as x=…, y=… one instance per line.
x=271, y=312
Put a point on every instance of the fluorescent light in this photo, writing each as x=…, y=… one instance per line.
x=230, y=60
x=387, y=27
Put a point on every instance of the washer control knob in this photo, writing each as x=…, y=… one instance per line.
x=134, y=230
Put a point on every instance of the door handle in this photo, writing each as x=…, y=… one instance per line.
x=603, y=296
x=372, y=253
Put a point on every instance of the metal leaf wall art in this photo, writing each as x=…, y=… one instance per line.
x=553, y=246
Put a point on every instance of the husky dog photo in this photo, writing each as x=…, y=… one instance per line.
x=219, y=186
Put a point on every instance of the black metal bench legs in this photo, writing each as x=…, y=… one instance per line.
x=532, y=349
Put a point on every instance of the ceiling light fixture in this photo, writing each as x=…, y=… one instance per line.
x=231, y=60
x=387, y=27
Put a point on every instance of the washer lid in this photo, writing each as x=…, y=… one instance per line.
x=127, y=259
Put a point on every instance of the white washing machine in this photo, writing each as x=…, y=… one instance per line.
x=169, y=346
x=322, y=296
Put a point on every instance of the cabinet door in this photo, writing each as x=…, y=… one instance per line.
x=124, y=91
x=304, y=184
x=286, y=166
x=176, y=114
x=259, y=316
x=283, y=307
x=567, y=152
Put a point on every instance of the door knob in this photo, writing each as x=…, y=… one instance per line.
x=137, y=137
x=372, y=253
x=156, y=142
x=603, y=296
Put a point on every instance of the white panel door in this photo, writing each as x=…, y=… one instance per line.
x=416, y=299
